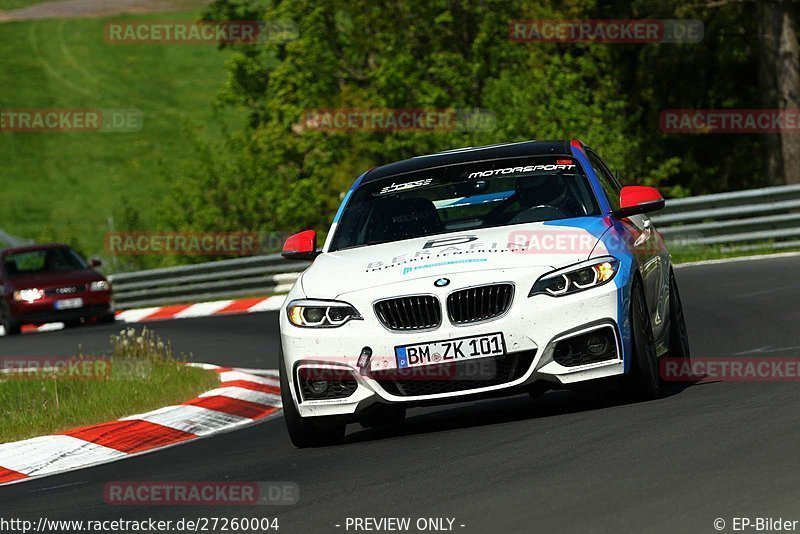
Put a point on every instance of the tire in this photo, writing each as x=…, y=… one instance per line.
x=11, y=326
x=678, y=336
x=306, y=432
x=382, y=415
x=644, y=382
x=107, y=318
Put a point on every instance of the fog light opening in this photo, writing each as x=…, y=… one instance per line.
x=584, y=349
x=323, y=383
x=597, y=345
x=318, y=387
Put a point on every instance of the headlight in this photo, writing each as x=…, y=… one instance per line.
x=100, y=285
x=28, y=295
x=320, y=313
x=576, y=278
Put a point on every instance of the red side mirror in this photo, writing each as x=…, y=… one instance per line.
x=637, y=199
x=302, y=246
x=95, y=262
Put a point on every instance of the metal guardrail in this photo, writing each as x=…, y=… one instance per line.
x=756, y=218
x=251, y=276
x=13, y=241
x=769, y=216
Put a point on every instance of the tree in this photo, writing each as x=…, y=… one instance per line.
x=429, y=54
x=779, y=80
x=275, y=175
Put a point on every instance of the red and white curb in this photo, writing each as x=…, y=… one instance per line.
x=182, y=311
x=202, y=309
x=242, y=399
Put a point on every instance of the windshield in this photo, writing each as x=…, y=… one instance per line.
x=463, y=197
x=49, y=260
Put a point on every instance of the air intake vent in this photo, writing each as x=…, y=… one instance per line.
x=506, y=368
x=481, y=303
x=417, y=312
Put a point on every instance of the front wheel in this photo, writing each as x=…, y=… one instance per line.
x=306, y=431
x=678, y=336
x=11, y=326
x=108, y=318
x=644, y=380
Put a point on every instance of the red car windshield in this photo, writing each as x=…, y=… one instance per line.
x=50, y=260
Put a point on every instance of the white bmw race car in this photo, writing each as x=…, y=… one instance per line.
x=476, y=272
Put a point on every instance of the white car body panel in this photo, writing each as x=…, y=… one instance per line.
x=361, y=276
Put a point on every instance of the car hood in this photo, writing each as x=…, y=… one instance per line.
x=544, y=246
x=50, y=280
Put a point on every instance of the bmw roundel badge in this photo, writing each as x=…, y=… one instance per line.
x=441, y=282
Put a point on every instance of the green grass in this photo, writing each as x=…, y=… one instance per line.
x=139, y=381
x=5, y=5
x=65, y=186
x=686, y=255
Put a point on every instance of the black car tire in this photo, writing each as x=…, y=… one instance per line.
x=644, y=381
x=11, y=327
x=108, y=318
x=678, y=336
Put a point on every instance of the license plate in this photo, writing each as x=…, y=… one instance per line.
x=69, y=304
x=451, y=350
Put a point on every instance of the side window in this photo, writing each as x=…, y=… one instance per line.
x=607, y=180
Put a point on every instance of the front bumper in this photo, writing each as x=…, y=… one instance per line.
x=95, y=305
x=531, y=329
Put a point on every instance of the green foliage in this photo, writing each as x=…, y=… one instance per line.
x=435, y=55
x=273, y=175
x=188, y=170
x=64, y=186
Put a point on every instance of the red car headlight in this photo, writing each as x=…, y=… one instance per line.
x=28, y=295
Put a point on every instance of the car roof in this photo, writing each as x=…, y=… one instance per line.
x=32, y=248
x=469, y=155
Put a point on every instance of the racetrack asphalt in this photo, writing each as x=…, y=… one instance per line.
x=564, y=463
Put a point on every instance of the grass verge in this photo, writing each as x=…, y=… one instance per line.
x=692, y=254
x=69, y=64
x=140, y=375
x=6, y=5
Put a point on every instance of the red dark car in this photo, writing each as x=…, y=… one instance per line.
x=51, y=283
